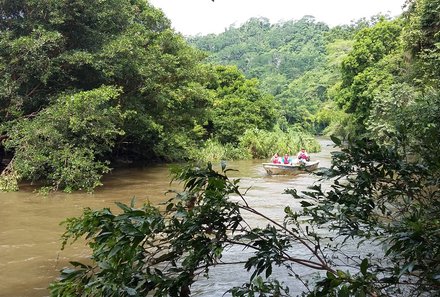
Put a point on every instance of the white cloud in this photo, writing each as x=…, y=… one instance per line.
x=191, y=17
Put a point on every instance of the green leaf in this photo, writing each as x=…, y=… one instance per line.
x=123, y=206
x=336, y=140
x=364, y=266
x=343, y=291
x=305, y=203
x=115, y=250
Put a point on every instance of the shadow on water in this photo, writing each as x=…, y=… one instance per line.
x=30, y=256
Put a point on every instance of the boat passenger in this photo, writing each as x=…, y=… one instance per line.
x=276, y=159
x=286, y=159
x=303, y=156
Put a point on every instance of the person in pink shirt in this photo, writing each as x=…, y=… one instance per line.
x=286, y=159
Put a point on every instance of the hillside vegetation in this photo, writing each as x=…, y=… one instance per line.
x=298, y=62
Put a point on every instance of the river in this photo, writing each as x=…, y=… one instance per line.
x=30, y=231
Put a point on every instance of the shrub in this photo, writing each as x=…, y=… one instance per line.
x=263, y=144
x=64, y=144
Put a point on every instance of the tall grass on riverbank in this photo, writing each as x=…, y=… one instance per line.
x=259, y=144
x=263, y=144
x=213, y=150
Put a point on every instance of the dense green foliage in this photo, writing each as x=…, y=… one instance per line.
x=374, y=231
x=259, y=144
x=298, y=62
x=64, y=143
x=388, y=174
x=277, y=55
x=168, y=102
x=53, y=51
x=262, y=50
x=369, y=68
x=239, y=105
x=51, y=48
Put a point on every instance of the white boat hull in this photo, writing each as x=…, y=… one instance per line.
x=288, y=169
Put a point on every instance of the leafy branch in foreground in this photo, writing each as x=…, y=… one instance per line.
x=165, y=250
x=335, y=234
x=382, y=199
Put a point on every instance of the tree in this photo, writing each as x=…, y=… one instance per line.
x=64, y=146
x=239, y=105
x=52, y=48
x=262, y=50
x=422, y=40
x=294, y=60
x=367, y=70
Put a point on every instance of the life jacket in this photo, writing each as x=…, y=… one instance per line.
x=302, y=156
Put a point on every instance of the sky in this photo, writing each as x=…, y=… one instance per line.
x=192, y=17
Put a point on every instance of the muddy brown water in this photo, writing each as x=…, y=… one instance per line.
x=30, y=231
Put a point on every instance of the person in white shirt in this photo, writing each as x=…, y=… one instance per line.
x=303, y=156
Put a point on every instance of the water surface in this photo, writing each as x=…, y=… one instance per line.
x=30, y=256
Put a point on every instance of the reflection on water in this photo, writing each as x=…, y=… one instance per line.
x=30, y=256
